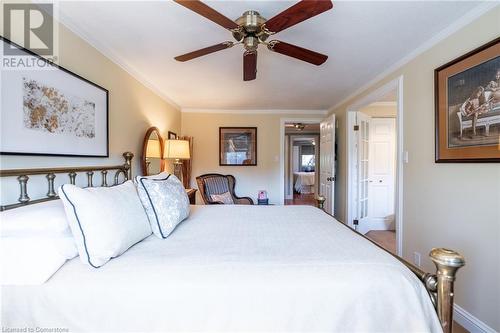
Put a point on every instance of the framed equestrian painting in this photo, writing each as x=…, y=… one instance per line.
x=467, y=96
x=237, y=146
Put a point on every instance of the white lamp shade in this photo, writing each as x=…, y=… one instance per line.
x=177, y=149
x=153, y=149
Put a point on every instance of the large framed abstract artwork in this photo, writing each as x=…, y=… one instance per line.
x=467, y=94
x=237, y=146
x=48, y=110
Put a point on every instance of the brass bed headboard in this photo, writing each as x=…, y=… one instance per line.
x=22, y=175
x=439, y=285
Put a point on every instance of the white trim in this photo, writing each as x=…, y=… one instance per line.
x=283, y=121
x=469, y=322
x=466, y=19
x=383, y=104
x=115, y=58
x=362, y=102
x=257, y=111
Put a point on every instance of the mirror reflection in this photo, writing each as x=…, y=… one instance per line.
x=152, y=154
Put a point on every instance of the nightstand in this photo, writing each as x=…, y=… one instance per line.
x=191, y=193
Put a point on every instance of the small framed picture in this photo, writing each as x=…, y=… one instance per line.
x=172, y=136
x=467, y=93
x=238, y=146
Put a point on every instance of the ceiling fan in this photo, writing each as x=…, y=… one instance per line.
x=251, y=29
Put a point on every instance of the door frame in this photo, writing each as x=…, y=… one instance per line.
x=396, y=84
x=283, y=121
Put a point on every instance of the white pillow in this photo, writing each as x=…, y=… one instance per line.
x=165, y=201
x=46, y=217
x=36, y=241
x=105, y=221
x=34, y=259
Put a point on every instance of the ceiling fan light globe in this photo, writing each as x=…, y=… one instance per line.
x=251, y=43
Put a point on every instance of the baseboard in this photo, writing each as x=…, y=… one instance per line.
x=469, y=322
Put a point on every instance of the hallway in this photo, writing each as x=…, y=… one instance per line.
x=302, y=199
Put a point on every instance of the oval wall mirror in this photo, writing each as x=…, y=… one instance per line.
x=152, y=152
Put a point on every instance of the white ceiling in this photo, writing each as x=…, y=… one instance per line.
x=362, y=40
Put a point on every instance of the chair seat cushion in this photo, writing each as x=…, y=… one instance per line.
x=225, y=198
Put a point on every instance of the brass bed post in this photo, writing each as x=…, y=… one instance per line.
x=128, y=164
x=439, y=285
x=447, y=263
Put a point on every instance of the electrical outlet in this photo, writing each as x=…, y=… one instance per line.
x=416, y=259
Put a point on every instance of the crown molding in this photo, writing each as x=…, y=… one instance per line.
x=460, y=23
x=257, y=111
x=383, y=104
x=115, y=58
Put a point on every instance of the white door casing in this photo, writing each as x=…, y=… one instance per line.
x=327, y=162
x=382, y=173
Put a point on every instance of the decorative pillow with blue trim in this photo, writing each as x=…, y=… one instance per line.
x=105, y=221
x=165, y=201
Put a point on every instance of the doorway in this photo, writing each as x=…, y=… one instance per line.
x=301, y=163
x=374, y=183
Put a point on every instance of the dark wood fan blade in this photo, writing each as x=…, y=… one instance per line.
x=297, y=52
x=204, y=51
x=299, y=12
x=249, y=65
x=208, y=12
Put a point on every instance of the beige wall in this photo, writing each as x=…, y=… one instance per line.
x=447, y=205
x=380, y=110
x=132, y=108
x=204, y=127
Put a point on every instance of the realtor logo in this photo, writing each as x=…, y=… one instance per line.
x=31, y=25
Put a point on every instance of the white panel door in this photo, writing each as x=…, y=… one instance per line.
x=382, y=172
x=327, y=162
x=362, y=165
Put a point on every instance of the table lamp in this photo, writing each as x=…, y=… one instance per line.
x=177, y=150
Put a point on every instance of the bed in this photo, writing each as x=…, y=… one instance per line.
x=304, y=182
x=241, y=268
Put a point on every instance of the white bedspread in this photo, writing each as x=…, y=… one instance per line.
x=304, y=182
x=234, y=268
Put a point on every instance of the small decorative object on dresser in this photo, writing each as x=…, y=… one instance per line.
x=467, y=94
x=152, y=153
x=262, y=198
x=177, y=150
x=172, y=135
x=191, y=193
x=237, y=146
x=48, y=110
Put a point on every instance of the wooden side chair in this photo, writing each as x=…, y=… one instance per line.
x=216, y=184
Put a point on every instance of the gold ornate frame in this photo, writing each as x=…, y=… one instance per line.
x=22, y=175
x=438, y=285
